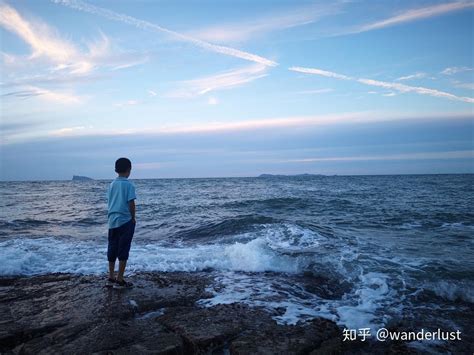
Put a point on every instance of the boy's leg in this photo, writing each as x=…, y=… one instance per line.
x=112, y=251
x=121, y=270
x=111, y=269
x=125, y=242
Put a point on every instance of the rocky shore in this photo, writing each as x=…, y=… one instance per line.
x=72, y=314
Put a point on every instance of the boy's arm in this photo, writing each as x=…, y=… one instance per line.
x=131, y=206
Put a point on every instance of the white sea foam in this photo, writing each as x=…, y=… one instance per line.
x=292, y=238
x=359, y=308
x=267, y=292
x=360, y=312
x=27, y=256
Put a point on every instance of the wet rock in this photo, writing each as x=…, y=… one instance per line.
x=270, y=338
x=324, y=287
x=77, y=314
x=71, y=314
x=206, y=329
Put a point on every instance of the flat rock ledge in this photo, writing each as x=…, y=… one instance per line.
x=73, y=314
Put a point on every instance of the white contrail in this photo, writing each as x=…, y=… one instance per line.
x=417, y=89
x=145, y=25
x=417, y=14
x=315, y=71
x=384, y=84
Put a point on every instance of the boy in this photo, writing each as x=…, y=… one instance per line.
x=121, y=216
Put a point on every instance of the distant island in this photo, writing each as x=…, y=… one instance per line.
x=81, y=178
x=279, y=175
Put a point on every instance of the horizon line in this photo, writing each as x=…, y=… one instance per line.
x=244, y=177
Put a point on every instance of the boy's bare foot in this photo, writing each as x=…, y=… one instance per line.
x=110, y=282
x=123, y=284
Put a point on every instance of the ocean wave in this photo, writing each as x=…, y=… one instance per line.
x=228, y=226
x=452, y=290
x=264, y=251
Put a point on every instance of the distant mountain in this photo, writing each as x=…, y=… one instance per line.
x=81, y=178
x=279, y=175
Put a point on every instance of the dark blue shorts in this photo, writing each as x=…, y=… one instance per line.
x=120, y=239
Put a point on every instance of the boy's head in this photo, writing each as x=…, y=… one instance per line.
x=123, y=167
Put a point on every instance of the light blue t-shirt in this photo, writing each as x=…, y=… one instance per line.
x=120, y=192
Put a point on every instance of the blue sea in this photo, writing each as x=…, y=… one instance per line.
x=364, y=251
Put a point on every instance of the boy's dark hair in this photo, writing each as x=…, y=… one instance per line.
x=122, y=165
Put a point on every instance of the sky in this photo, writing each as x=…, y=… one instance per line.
x=235, y=88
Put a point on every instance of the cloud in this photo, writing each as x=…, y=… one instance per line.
x=24, y=94
x=455, y=70
x=274, y=123
x=413, y=76
x=218, y=133
x=386, y=85
x=222, y=81
x=461, y=154
x=245, y=30
x=41, y=38
x=49, y=95
x=46, y=43
x=415, y=15
x=54, y=59
x=234, y=126
x=51, y=79
x=67, y=74
x=152, y=93
x=293, y=121
x=145, y=25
